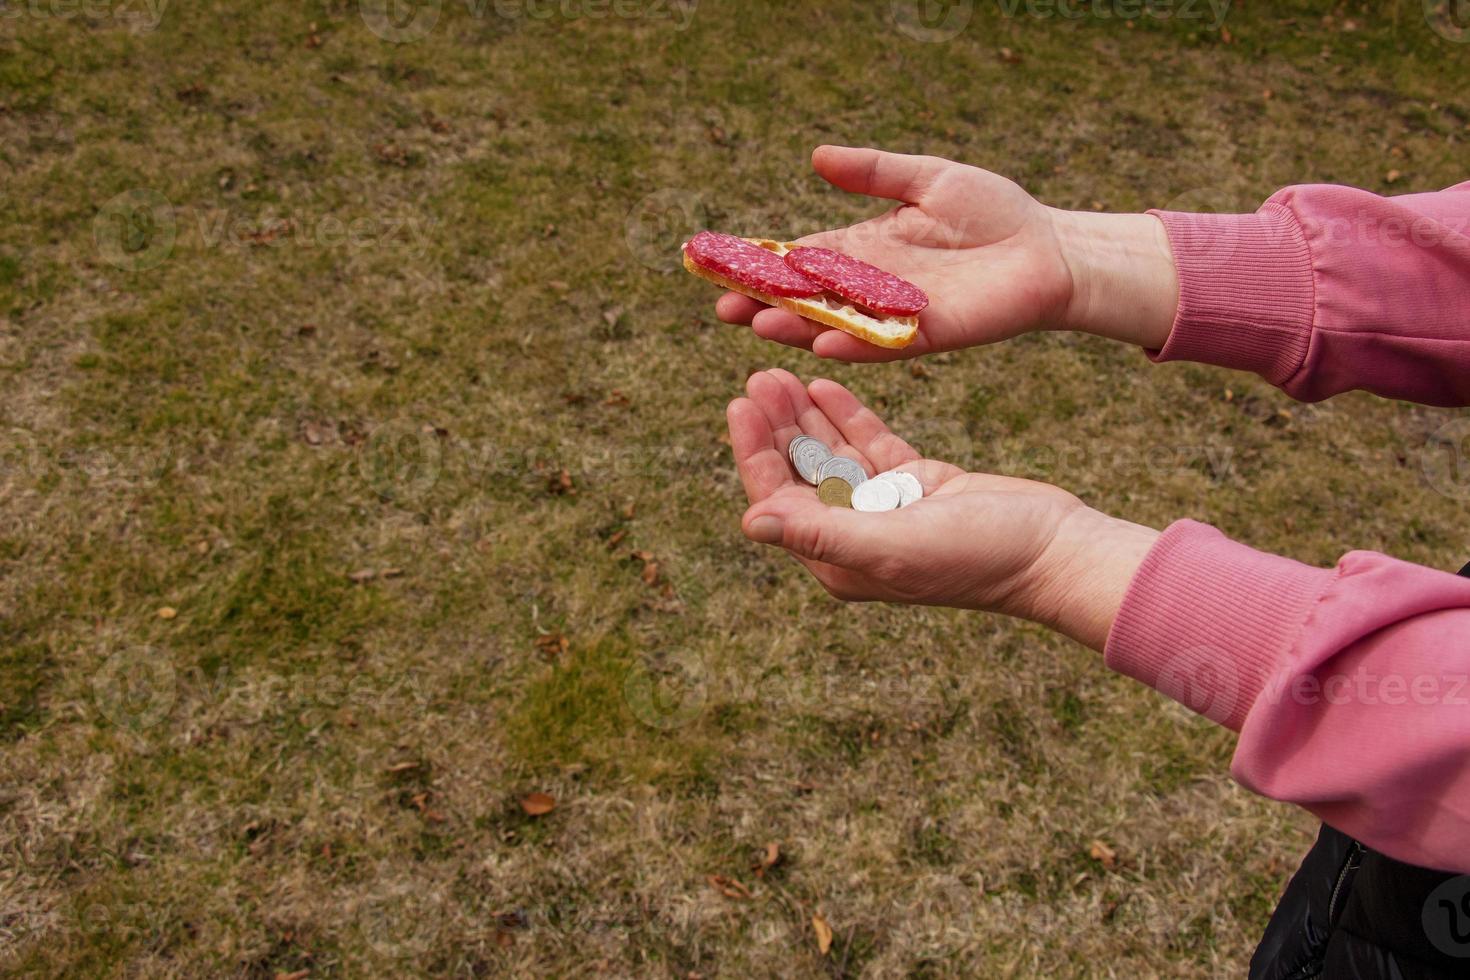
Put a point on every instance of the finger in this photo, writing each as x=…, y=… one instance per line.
x=786, y=328
x=813, y=531
x=813, y=421
x=876, y=173
x=738, y=308
x=838, y=346
x=763, y=469
x=860, y=426
x=766, y=391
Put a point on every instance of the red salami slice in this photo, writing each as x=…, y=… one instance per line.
x=750, y=265
x=857, y=282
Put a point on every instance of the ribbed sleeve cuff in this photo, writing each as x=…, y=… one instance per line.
x=1207, y=621
x=1246, y=291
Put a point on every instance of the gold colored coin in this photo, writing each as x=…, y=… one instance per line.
x=835, y=492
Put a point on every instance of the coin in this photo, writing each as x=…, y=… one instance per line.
x=876, y=495
x=835, y=492
x=807, y=456
x=848, y=469
x=909, y=487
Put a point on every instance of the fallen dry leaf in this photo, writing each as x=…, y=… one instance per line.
x=372, y=574
x=538, y=804
x=768, y=860
x=394, y=155
x=824, y=934
x=1392, y=176
x=403, y=767
x=728, y=887
x=552, y=645
x=298, y=975
x=167, y=612
x=1009, y=57
x=561, y=483
x=1104, y=854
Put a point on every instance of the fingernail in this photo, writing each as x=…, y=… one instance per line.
x=765, y=530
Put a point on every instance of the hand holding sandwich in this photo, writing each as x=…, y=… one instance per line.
x=995, y=262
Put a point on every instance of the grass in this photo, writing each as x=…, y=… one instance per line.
x=406, y=286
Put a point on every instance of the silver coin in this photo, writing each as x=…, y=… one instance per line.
x=808, y=455
x=909, y=487
x=848, y=469
x=874, y=496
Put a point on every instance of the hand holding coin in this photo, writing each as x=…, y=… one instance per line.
x=974, y=540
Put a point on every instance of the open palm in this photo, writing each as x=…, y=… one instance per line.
x=983, y=249
x=971, y=542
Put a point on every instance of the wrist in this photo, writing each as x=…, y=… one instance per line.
x=1078, y=583
x=1124, y=283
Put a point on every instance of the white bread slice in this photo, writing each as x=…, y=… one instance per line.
x=827, y=309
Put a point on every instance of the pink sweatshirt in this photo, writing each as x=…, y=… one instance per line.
x=1349, y=686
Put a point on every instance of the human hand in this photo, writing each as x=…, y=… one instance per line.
x=975, y=541
x=995, y=262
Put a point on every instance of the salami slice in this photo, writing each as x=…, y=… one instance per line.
x=857, y=281
x=750, y=265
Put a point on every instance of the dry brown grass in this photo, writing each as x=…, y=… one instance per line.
x=321, y=774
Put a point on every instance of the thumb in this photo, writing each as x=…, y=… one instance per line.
x=810, y=529
x=877, y=173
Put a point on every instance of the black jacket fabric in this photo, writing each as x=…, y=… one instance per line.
x=1351, y=913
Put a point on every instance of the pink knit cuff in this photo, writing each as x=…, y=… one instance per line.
x=1207, y=621
x=1246, y=291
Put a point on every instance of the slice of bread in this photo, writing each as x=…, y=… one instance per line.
x=879, y=329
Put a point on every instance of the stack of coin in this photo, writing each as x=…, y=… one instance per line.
x=842, y=482
x=887, y=491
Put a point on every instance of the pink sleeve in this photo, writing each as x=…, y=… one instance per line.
x=1329, y=288
x=1350, y=687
